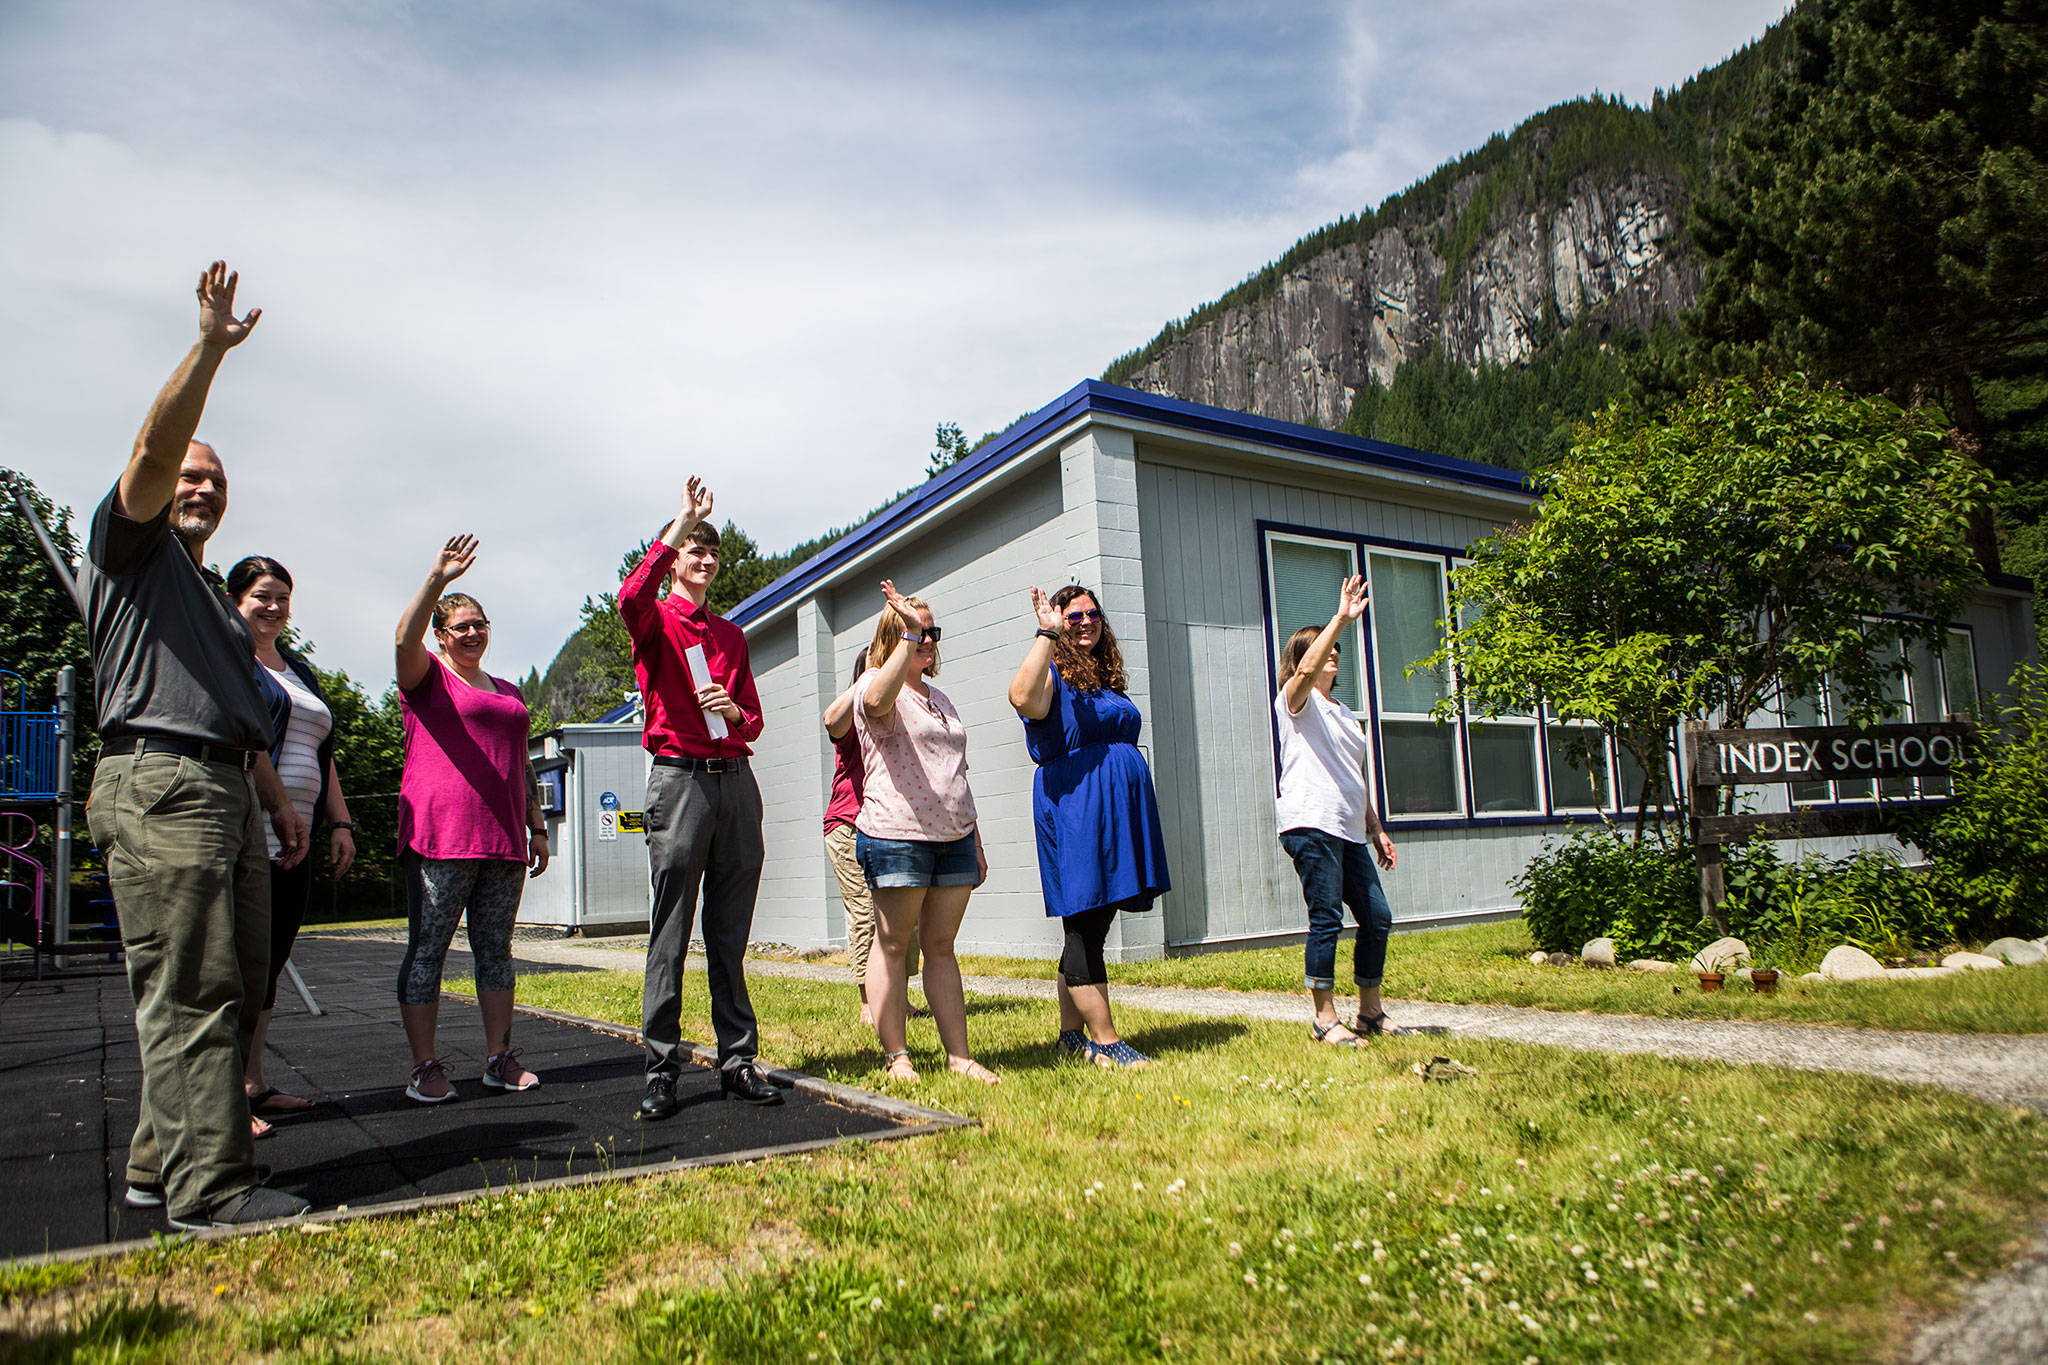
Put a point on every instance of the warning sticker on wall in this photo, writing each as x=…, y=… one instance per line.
x=633, y=821
x=607, y=827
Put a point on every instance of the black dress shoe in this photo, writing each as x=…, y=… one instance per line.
x=660, y=1100
x=746, y=1084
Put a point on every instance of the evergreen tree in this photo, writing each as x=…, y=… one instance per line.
x=1886, y=219
x=949, y=447
x=38, y=621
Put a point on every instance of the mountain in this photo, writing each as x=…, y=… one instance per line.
x=1573, y=223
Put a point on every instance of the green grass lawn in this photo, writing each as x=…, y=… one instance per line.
x=1253, y=1198
x=1488, y=964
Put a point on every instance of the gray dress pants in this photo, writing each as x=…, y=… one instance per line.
x=190, y=873
x=703, y=833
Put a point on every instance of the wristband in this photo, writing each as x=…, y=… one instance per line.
x=348, y=825
x=1049, y=633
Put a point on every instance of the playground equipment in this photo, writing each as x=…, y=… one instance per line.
x=35, y=771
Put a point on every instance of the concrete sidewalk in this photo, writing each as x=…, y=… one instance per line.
x=1999, y=1068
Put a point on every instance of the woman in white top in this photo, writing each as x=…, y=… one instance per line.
x=1328, y=825
x=303, y=753
x=915, y=836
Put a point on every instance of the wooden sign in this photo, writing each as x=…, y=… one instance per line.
x=1717, y=759
x=1824, y=753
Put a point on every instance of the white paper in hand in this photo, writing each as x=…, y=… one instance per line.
x=700, y=674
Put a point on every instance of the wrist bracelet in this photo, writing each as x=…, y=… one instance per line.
x=1049, y=633
x=348, y=825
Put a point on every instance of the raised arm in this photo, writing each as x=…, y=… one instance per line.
x=696, y=510
x=887, y=681
x=451, y=563
x=640, y=594
x=839, y=715
x=152, y=474
x=1031, y=690
x=1351, y=599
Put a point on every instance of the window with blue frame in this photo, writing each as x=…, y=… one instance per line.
x=1474, y=768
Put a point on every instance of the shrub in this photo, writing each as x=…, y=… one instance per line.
x=1794, y=912
x=1989, y=847
x=1597, y=883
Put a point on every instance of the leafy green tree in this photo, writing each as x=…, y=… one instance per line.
x=949, y=447
x=41, y=626
x=369, y=755
x=1688, y=566
x=1884, y=217
x=1990, y=845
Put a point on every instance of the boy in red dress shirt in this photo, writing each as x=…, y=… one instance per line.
x=699, y=711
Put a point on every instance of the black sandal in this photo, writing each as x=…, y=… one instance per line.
x=1321, y=1033
x=1378, y=1027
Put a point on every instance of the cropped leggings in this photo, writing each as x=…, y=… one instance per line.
x=437, y=893
x=1081, y=960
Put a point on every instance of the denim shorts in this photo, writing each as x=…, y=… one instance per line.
x=917, y=862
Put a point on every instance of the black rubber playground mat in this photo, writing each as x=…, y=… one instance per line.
x=70, y=1076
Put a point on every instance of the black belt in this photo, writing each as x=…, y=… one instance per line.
x=245, y=759
x=701, y=765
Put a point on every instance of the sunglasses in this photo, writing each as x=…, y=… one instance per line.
x=1075, y=618
x=929, y=636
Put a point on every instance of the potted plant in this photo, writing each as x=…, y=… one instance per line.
x=1711, y=981
x=1764, y=980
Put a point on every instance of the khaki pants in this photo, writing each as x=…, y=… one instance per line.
x=860, y=905
x=190, y=873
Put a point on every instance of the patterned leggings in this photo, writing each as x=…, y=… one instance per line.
x=437, y=891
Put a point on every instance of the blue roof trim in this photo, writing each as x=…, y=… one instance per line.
x=623, y=711
x=1093, y=396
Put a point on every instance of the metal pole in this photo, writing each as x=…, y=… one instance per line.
x=299, y=983
x=50, y=550
x=67, y=726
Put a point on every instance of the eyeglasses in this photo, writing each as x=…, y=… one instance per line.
x=1075, y=618
x=467, y=628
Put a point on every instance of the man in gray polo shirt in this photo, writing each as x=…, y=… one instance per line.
x=183, y=770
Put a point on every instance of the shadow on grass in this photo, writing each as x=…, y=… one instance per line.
x=111, y=1330
x=1176, y=1042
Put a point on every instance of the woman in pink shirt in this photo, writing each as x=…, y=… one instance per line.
x=470, y=824
x=915, y=834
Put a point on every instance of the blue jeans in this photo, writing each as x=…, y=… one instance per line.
x=892, y=863
x=1336, y=873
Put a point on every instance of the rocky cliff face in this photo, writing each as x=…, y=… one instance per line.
x=1606, y=251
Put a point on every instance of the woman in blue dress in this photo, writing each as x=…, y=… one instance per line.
x=1100, y=849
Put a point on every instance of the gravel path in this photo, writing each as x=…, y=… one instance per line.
x=2004, y=1321
x=2000, y=1068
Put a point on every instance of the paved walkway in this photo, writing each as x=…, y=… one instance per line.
x=2000, y=1068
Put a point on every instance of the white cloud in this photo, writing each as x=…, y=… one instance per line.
x=521, y=278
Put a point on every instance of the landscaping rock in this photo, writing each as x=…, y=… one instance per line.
x=1976, y=962
x=1813, y=976
x=1850, y=964
x=1598, y=953
x=1543, y=960
x=1722, y=955
x=2017, y=951
x=1560, y=959
x=1651, y=964
x=1918, y=973
x=1740, y=973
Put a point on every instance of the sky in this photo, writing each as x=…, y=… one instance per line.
x=524, y=267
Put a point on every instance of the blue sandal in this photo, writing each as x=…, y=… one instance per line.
x=1117, y=1055
x=1072, y=1043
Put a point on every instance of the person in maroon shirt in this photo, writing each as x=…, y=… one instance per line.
x=703, y=806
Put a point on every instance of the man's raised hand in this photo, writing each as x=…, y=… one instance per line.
x=454, y=559
x=217, y=325
x=696, y=502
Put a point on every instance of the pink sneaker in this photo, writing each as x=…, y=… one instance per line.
x=503, y=1072
x=430, y=1084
